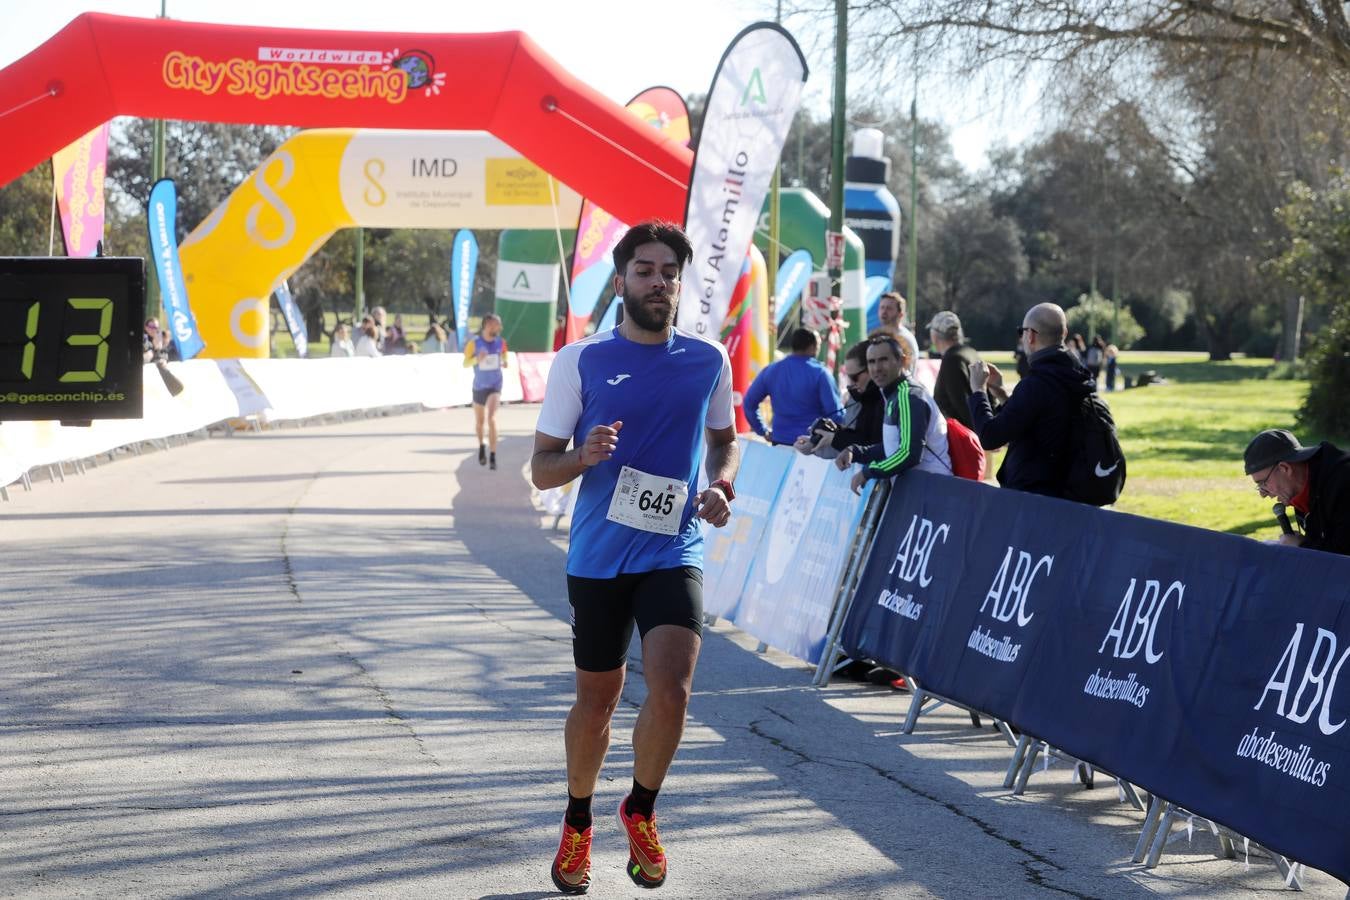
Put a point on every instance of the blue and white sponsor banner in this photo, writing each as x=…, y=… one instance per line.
x=1202, y=666
x=463, y=267
x=161, y=218
x=729, y=551
x=793, y=274
x=754, y=96
x=789, y=592
x=295, y=323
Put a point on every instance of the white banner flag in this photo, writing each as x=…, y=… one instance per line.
x=753, y=98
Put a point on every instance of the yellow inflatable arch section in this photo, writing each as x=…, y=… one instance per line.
x=323, y=180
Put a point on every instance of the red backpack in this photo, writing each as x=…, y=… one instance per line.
x=963, y=446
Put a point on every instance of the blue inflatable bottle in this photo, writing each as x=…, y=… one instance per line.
x=870, y=209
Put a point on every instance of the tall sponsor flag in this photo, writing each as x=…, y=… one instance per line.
x=78, y=170
x=295, y=323
x=463, y=266
x=793, y=274
x=736, y=336
x=162, y=217
x=762, y=334
x=753, y=97
x=598, y=231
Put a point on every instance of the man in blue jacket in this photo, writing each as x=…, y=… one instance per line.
x=1036, y=422
x=800, y=391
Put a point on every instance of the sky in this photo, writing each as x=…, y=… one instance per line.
x=600, y=41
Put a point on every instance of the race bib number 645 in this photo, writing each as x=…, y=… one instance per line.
x=648, y=502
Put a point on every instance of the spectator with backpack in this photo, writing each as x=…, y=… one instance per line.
x=1060, y=437
x=914, y=431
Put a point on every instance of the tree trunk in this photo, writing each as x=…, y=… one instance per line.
x=1291, y=338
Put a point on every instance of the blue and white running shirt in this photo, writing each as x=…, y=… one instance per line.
x=665, y=395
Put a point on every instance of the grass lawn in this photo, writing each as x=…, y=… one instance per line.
x=1184, y=440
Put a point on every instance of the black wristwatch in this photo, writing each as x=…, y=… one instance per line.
x=725, y=487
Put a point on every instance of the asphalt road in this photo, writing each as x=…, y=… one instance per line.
x=335, y=661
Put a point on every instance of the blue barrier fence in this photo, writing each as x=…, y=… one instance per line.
x=1203, y=667
x=774, y=573
x=1200, y=666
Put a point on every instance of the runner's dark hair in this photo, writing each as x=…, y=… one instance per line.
x=650, y=232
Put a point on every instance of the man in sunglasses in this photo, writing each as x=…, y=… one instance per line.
x=863, y=415
x=1313, y=480
x=1036, y=422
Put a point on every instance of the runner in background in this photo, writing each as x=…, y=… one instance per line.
x=638, y=402
x=486, y=352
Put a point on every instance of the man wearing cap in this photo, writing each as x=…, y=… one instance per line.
x=1313, y=480
x=952, y=389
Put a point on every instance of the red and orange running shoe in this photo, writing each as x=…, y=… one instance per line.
x=646, y=856
x=571, y=868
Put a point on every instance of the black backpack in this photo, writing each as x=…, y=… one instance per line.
x=1095, y=464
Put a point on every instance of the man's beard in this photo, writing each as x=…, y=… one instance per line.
x=644, y=317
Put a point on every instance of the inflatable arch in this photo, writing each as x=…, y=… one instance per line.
x=320, y=181
x=101, y=66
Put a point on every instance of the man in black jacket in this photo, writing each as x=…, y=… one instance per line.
x=862, y=416
x=1037, y=421
x=1313, y=480
x=952, y=388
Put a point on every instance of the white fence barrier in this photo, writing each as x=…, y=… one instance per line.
x=268, y=390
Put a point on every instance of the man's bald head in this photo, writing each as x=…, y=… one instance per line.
x=1049, y=322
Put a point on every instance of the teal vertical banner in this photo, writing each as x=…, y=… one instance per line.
x=463, y=265
x=162, y=217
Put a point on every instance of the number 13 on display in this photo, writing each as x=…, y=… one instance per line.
x=20, y=321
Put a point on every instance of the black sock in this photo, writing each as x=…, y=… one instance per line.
x=641, y=800
x=578, y=812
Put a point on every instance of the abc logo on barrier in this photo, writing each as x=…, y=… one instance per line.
x=915, y=550
x=1011, y=589
x=1315, y=676
x=1142, y=620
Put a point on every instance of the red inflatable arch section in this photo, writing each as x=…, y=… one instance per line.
x=100, y=66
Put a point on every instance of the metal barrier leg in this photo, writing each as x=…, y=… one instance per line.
x=1130, y=794
x=762, y=647
x=1015, y=765
x=1169, y=816
x=1290, y=871
x=915, y=710
x=1150, y=829
x=1007, y=733
x=1028, y=766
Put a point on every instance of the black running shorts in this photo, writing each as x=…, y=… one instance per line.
x=481, y=395
x=605, y=609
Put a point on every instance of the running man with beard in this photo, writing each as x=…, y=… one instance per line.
x=638, y=403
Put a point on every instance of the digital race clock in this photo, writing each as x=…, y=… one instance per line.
x=70, y=338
